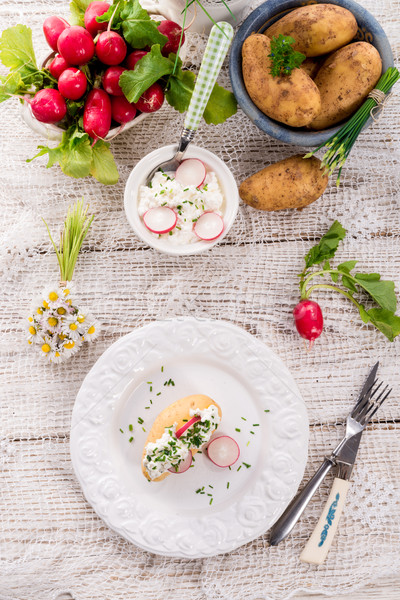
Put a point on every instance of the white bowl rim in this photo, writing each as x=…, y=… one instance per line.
x=138, y=176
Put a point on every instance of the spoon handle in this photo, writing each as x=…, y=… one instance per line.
x=217, y=47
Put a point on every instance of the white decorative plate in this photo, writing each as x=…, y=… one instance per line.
x=200, y=357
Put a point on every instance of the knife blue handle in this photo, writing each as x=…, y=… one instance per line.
x=289, y=518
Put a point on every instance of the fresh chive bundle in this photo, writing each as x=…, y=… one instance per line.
x=76, y=227
x=340, y=144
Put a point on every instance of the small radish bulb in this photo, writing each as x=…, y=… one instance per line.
x=111, y=48
x=183, y=466
x=122, y=111
x=52, y=28
x=160, y=219
x=186, y=426
x=72, y=83
x=191, y=171
x=209, y=226
x=223, y=451
x=76, y=45
x=57, y=66
x=134, y=57
x=110, y=80
x=94, y=10
x=173, y=32
x=48, y=106
x=151, y=100
x=309, y=320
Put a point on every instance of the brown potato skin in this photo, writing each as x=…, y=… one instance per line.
x=317, y=29
x=311, y=66
x=344, y=81
x=293, y=182
x=175, y=413
x=293, y=99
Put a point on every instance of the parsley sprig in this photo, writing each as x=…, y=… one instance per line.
x=284, y=59
x=382, y=292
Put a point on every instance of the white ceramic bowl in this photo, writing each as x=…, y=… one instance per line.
x=138, y=178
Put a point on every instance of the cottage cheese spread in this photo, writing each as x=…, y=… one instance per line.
x=189, y=203
x=169, y=451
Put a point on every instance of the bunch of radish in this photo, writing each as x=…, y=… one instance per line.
x=87, y=66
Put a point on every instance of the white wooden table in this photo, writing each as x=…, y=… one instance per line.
x=51, y=541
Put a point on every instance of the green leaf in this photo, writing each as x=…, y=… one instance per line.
x=180, y=89
x=103, y=167
x=10, y=84
x=148, y=70
x=283, y=58
x=327, y=246
x=386, y=321
x=137, y=27
x=346, y=267
x=348, y=283
x=326, y=265
x=55, y=155
x=115, y=12
x=363, y=313
x=221, y=105
x=381, y=291
x=368, y=276
x=78, y=8
x=335, y=277
x=16, y=52
x=77, y=158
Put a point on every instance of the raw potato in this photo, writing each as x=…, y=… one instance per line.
x=311, y=66
x=290, y=183
x=317, y=29
x=344, y=81
x=175, y=413
x=293, y=99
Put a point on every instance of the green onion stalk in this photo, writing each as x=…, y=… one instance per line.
x=340, y=144
x=76, y=226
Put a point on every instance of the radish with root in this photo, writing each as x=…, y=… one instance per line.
x=122, y=111
x=97, y=114
x=94, y=10
x=110, y=80
x=76, y=45
x=72, y=83
x=52, y=28
x=151, y=100
x=111, y=48
x=48, y=106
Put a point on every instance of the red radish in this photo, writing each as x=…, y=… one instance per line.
x=97, y=114
x=183, y=466
x=76, y=45
x=160, y=219
x=133, y=58
x=57, y=66
x=122, y=111
x=309, y=320
x=151, y=100
x=94, y=10
x=186, y=426
x=191, y=171
x=48, y=106
x=173, y=32
x=110, y=81
x=111, y=48
x=223, y=451
x=209, y=226
x=72, y=83
x=52, y=29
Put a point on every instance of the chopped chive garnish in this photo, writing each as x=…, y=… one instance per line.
x=211, y=501
x=162, y=369
x=252, y=432
x=211, y=486
x=243, y=419
x=140, y=420
x=230, y=468
x=143, y=429
x=238, y=469
x=121, y=430
x=256, y=424
x=149, y=382
x=151, y=388
x=227, y=485
x=198, y=491
x=248, y=443
x=151, y=401
x=209, y=494
x=131, y=427
x=237, y=429
x=159, y=394
x=266, y=410
x=185, y=420
x=199, y=452
x=147, y=407
x=185, y=190
x=246, y=465
x=131, y=439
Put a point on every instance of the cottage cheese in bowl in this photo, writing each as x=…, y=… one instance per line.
x=188, y=201
x=218, y=194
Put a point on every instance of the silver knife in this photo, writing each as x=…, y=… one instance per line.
x=343, y=456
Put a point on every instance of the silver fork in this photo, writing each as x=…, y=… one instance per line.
x=343, y=457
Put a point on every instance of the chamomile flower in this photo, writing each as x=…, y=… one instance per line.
x=71, y=329
x=92, y=331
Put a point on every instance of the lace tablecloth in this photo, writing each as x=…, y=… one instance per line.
x=51, y=540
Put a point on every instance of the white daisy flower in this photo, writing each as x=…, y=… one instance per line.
x=92, y=330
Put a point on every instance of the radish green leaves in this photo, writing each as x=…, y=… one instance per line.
x=362, y=285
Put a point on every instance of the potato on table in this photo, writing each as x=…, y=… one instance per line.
x=290, y=183
x=317, y=29
x=344, y=81
x=291, y=99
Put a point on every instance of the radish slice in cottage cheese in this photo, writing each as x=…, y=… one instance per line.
x=191, y=171
x=160, y=219
x=183, y=466
x=209, y=226
x=223, y=451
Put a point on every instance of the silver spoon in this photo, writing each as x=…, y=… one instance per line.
x=217, y=47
